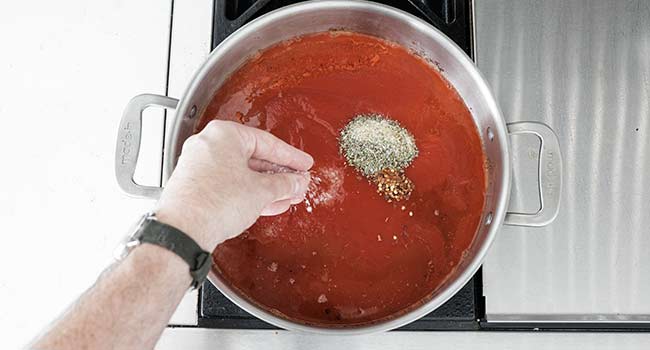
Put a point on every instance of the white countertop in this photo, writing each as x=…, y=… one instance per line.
x=197, y=338
x=67, y=69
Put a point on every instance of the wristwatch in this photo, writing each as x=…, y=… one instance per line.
x=149, y=230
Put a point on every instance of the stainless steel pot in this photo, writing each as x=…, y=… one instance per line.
x=393, y=25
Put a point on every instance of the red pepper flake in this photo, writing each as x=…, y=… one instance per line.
x=393, y=185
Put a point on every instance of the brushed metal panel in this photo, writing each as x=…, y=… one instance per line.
x=583, y=68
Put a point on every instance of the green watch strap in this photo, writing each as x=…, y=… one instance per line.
x=173, y=239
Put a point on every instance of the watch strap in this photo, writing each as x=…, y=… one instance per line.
x=200, y=261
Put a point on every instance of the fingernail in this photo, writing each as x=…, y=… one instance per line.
x=296, y=200
x=300, y=185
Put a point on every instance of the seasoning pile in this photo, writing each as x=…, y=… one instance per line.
x=393, y=185
x=380, y=149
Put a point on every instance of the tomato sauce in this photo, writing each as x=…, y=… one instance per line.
x=348, y=257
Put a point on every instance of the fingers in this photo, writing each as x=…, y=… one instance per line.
x=285, y=186
x=292, y=187
x=262, y=145
x=276, y=208
x=264, y=166
x=280, y=206
x=296, y=200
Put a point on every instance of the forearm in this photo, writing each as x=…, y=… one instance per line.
x=213, y=186
x=127, y=308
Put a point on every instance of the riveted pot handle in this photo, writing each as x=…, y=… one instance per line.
x=128, y=143
x=549, y=175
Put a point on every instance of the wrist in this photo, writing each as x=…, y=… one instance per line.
x=149, y=258
x=191, y=226
x=152, y=231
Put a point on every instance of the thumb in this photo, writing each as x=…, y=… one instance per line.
x=281, y=186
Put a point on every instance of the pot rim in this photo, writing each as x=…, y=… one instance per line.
x=448, y=290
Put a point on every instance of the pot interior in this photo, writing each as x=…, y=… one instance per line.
x=388, y=24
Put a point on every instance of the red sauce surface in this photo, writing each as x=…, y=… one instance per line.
x=354, y=258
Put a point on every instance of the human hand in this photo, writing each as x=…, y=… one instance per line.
x=226, y=177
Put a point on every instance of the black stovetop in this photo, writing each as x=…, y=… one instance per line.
x=453, y=17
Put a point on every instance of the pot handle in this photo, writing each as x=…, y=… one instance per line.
x=549, y=175
x=127, y=147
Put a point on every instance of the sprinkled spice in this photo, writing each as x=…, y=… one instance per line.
x=322, y=299
x=372, y=142
x=393, y=185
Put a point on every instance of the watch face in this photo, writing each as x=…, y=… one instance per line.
x=131, y=240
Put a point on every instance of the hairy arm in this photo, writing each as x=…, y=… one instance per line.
x=223, y=182
x=127, y=308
